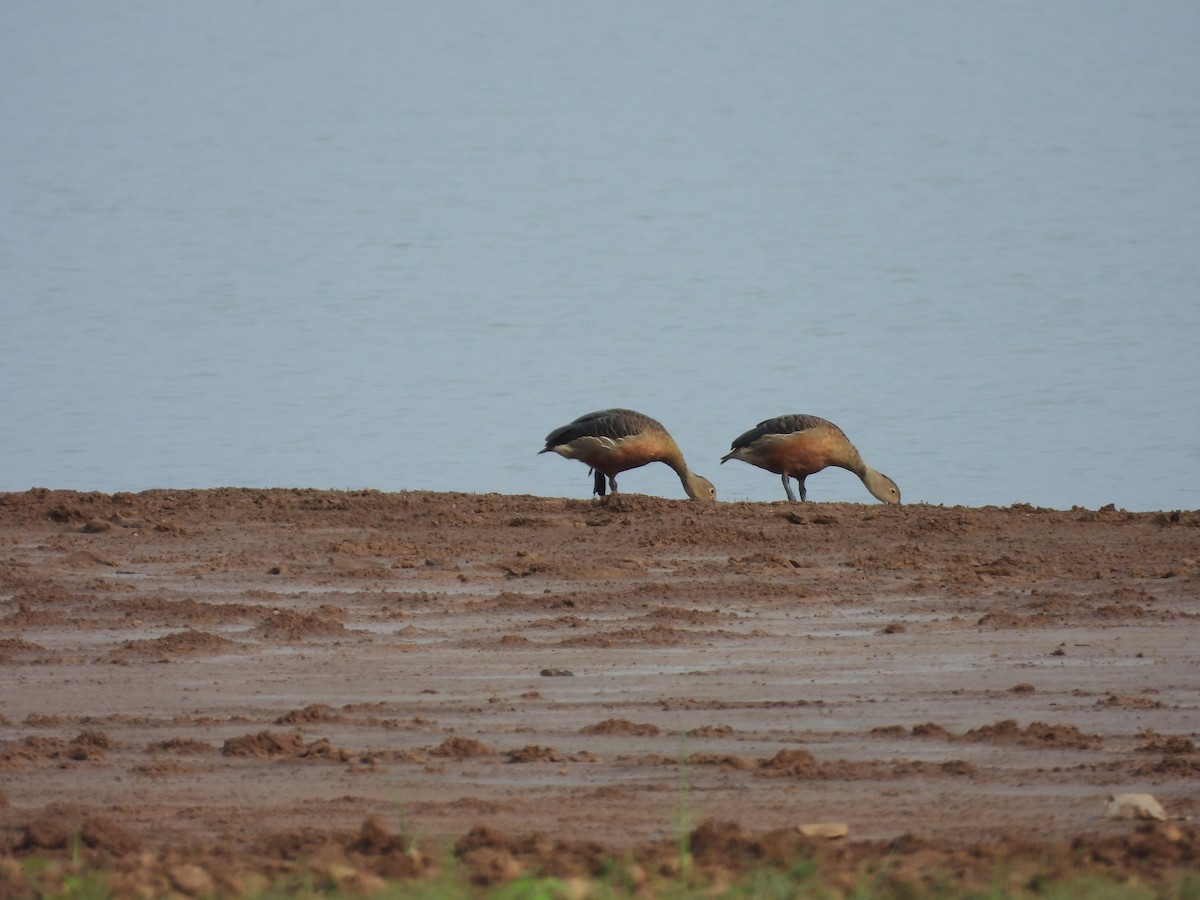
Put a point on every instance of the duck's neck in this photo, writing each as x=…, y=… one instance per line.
x=686, y=478
x=675, y=461
x=854, y=463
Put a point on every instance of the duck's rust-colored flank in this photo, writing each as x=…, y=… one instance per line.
x=613, y=441
x=796, y=446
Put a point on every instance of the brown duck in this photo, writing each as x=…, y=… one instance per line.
x=613, y=441
x=797, y=446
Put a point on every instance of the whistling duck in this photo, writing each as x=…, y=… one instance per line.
x=612, y=441
x=797, y=446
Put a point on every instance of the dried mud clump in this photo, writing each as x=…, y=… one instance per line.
x=1130, y=701
x=45, y=834
x=803, y=766
x=102, y=833
x=930, y=730
x=286, y=625
x=533, y=753
x=705, y=731
x=722, y=760
x=1036, y=734
x=383, y=853
x=16, y=754
x=493, y=856
x=86, y=746
x=179, y=642
x=15, y=649
x=791, y=763
x=726, y=846
x=327, y=750
x=1173, y=765
x=26, y=617
x=314, y=712
x=620, y=726
x=1154, y=845
x=1176, y=745
x=461, y=748
x=184, y=746
x=264, y=745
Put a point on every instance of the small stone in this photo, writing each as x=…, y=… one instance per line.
x=1174, y=833
x=191, y=880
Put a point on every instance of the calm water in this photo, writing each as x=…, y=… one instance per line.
x=393, y=244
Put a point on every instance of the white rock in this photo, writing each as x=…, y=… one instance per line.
x=1134, y=806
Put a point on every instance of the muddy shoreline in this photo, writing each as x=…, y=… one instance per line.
x=203, y=672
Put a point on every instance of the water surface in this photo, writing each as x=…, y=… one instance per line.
x=394, y=244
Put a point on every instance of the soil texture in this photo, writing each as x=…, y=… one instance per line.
x=199, y=689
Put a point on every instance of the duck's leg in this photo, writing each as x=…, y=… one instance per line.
x=787, y=486
x=803, y=491
x=612, y=483
x=598, y=483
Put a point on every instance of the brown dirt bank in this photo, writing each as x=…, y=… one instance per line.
x=251, y=675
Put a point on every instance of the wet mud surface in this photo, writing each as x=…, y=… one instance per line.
x=201, y=685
